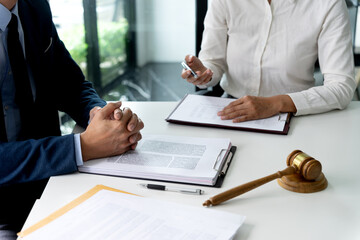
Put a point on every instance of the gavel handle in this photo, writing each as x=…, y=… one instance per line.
x=236, y=191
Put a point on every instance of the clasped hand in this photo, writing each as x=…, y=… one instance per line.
x=111, y=132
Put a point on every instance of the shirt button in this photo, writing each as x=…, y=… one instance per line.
x=6, y=107
x=10, y=73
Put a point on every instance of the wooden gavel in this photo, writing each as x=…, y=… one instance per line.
x=298, y=162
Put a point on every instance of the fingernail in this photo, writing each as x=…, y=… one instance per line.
x=131, y=127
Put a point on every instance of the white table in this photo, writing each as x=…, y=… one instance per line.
x=272, y=212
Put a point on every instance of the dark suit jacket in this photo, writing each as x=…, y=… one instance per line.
x=25, y=165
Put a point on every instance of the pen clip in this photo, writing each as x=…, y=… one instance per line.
x=195, y=191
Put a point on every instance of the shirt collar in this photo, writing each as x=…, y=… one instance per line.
x=5, y=16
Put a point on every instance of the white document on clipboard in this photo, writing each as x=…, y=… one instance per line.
x=179, y=159
x=202, y=111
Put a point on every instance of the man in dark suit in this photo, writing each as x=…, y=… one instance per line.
x=31, y=146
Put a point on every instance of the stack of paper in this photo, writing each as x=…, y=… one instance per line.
x=168, y=158
x=105, y=213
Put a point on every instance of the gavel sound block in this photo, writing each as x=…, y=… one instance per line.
x=309, y=181
x=302, y=175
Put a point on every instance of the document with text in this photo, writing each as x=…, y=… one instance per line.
x=106, y=213
x=168, y=158
x=202, y=110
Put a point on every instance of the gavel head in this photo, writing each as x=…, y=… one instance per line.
x=307, y=166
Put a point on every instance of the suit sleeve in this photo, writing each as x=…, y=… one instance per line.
x=32, y=160
x=76, y=96
x=61, y=86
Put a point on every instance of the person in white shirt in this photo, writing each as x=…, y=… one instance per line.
x=267, y=50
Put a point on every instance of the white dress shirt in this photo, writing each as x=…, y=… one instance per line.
x=270, y=49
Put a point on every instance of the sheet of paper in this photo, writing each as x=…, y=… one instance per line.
x=114, y=215
x=170, y=158
x=203, y=109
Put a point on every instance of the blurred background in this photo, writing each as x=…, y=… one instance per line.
x=132, y=49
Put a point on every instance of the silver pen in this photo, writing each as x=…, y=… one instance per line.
x=173, y=189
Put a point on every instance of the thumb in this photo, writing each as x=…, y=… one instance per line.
x=93, y=112
x=189, y=58
x=108, y=110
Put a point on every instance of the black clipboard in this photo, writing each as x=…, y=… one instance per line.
x=219, y=181
x=222, y=171
x=225, y=167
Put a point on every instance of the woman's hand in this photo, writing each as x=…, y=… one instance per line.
x=204, y=74
x=252, y=108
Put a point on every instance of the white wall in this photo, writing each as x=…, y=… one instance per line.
x=165, y=30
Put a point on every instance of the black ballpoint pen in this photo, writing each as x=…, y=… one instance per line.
x=173, y=189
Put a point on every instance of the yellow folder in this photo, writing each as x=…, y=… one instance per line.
x=67, y=208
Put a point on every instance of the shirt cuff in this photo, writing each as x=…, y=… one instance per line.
x=302, y=108
x=78, y=155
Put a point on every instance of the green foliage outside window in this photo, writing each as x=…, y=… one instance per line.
x=112, y=37
x=112, y=44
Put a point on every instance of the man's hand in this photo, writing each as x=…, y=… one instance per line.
x=110, y=132
x=117, y=115
x=204, y=74
x=252, y=108
x=93, y=113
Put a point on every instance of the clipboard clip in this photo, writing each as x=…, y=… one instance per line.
x=280, y=119
x=223, y=167
x=288, y=115
x=222, y=164
x=218, y=159
x=227, y=163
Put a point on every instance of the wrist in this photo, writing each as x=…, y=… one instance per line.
x=284, y=103
x=85, y=148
